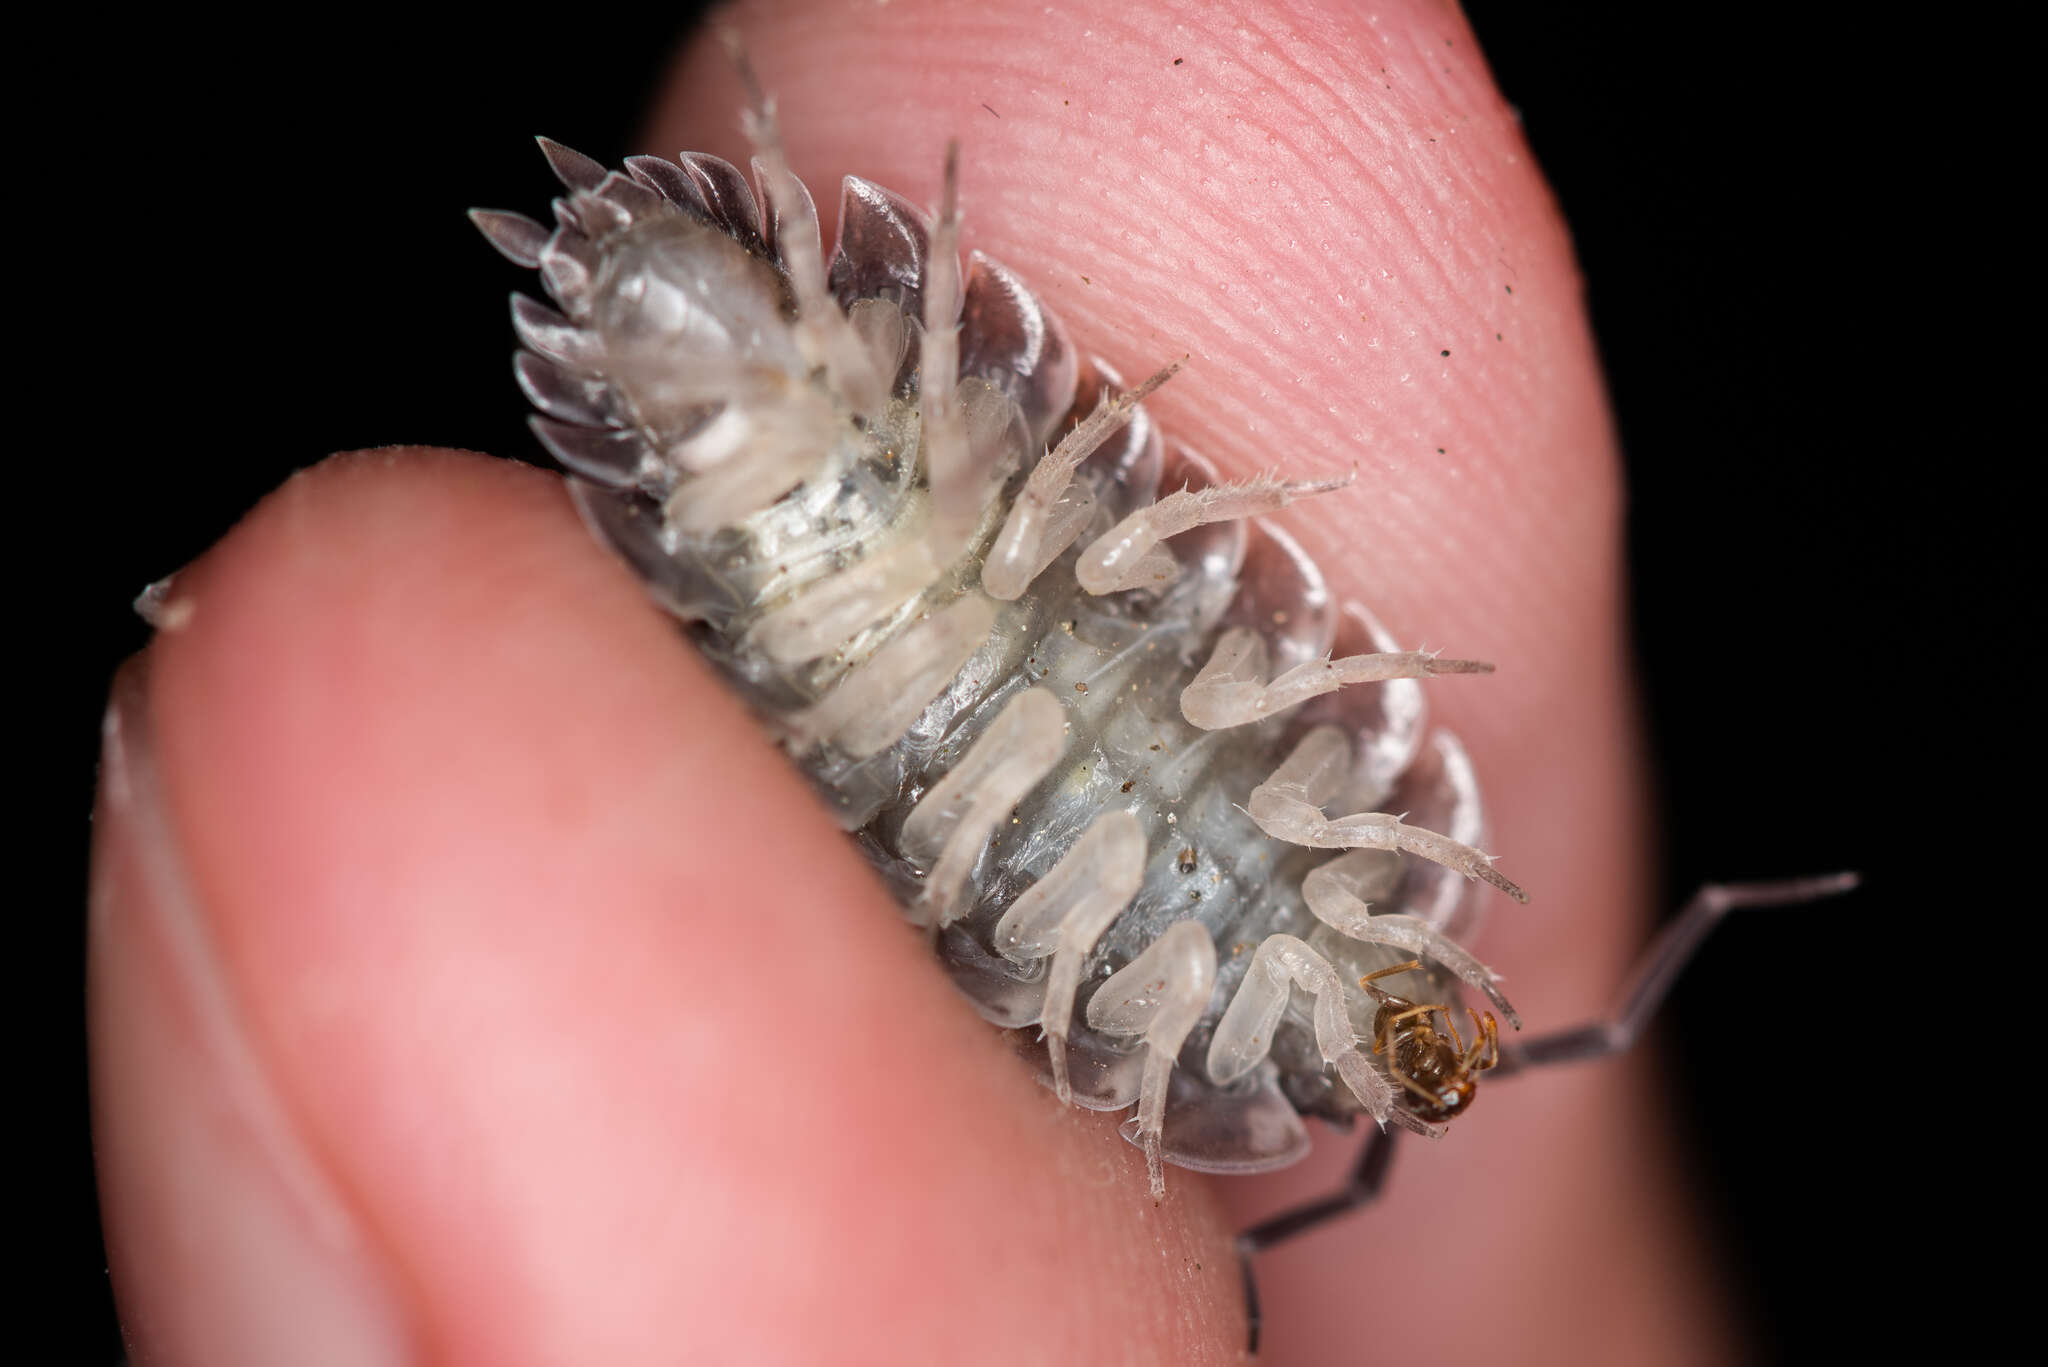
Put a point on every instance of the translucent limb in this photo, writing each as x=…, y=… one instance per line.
x=1231, y=689
x=1314, y=771
x=876, y=703
x=827, y=615
x=782, y=450
x=1245, y=1034
x=1288, y=806
x=1337, y=908
x=823, y=333
x=1048, y=515
x=1160, y=995
x=950, y=824
x=1064, y=913
x=1111, y=561
x=956, y=483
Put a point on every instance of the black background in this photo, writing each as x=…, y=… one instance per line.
x=280, y=219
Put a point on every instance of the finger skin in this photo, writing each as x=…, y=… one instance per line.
x=1315, y=203
x=603, y=1032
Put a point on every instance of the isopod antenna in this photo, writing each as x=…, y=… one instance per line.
x=1648, y=984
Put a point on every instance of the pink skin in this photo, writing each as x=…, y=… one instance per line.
x=471, y=982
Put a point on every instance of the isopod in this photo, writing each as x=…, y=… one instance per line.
x=1165, y=807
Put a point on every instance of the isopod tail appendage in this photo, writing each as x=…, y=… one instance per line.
x=1159, y=995
x=1064, y=913
x=1288, y=806
x=951, y=824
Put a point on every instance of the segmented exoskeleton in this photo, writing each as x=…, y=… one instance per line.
x=1096, y=722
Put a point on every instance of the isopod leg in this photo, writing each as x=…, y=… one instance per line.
x=1245, y=1034
x=822, y=329
x=1123, y=557
x=1288, y=806
x=1232, y=689
x=1034, y=533
x=1659, y=965
x=951, y=824
x=1159, y=995
x=1368, y=1176
x=1064, y=913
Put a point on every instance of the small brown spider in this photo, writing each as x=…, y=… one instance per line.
x=1438, y=1072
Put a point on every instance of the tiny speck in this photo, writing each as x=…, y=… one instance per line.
x=990, y=108
x=1157, y=746
x=1086, y=281
x=1080, y=688
x=1496, y=336
x=1280, y=617
x=1446, y=353
x=1187, y=859
x=1509, y=288
x=1439, y=450
x=1178, y=60
x=1127, y=785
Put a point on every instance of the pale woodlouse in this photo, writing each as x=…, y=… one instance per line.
x=827, y=470
x=463, y=136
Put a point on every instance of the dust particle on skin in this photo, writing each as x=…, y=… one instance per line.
x=159, y=605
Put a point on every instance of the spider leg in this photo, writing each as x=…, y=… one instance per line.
x=1390, y=971
x=1659, y=966
x=1647, y=987
x=1368, y=1175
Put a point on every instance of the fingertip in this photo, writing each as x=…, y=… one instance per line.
x=567, y=978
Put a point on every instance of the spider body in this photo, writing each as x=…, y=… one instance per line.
x=1439, y=1073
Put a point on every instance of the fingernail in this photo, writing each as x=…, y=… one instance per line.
x=228, y=1243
